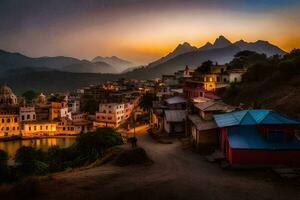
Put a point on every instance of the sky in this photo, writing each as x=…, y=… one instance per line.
x=141, y=30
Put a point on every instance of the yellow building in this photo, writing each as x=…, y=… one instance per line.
x=32, y=129
x=58, y=110
x=9, y=124
x=9, y=113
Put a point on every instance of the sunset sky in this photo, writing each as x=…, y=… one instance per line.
x=141, y=30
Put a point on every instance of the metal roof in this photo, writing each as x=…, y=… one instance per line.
x=202, y=124
x=175, y=115
x=213, y=106
x=253, y=117
x=175, y=100
x=248, y=137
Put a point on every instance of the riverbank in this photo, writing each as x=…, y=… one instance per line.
x=16, y=138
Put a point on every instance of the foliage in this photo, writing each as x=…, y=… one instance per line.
x=29, y=95
x=232, y=90
x=87, y=148
x=205, y=67
x=146, y=101
x=90, y=106
x=246, y=59
x=93, y=144
x=29, y=160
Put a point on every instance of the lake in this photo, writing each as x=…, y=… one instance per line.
x=40, y=143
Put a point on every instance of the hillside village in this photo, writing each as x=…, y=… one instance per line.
x=185, y=104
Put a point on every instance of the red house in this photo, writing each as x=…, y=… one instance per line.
x=259, y=137
x=193, y=89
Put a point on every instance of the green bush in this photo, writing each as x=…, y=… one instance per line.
x=29, y=160
x=88, y=147
x=93, y=144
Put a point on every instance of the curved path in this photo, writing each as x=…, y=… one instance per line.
x=175, y=174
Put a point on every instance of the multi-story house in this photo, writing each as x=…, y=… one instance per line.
x=110, y=115
x=34, y=128
x=59, y=110
x=9, y=113
x=27, y=113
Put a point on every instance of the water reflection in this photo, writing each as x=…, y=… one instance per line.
x=42, y=143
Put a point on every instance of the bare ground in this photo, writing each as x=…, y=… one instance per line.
x=175, y=174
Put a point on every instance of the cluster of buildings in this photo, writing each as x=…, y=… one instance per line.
x=104, y=105
x=191, y=108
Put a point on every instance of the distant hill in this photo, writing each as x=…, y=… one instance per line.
x=49, y=81
x=16, y=61
x=118, y=63
x=88, y=67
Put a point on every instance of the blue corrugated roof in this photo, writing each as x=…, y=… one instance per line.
x=252, y=117
x=248, y=137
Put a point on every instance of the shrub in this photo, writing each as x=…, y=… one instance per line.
x=29, y=160
x=93, y=144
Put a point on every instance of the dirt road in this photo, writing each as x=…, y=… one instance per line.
x=175, y=174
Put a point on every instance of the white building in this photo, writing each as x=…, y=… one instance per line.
x=74, y=106
x=235, y=75
x=110, y=115
x=27, y=114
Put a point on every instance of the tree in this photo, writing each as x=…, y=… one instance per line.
x=205, y=67
x=146, y=101
x=29, y=95
x=30, y=160
x=93, y=144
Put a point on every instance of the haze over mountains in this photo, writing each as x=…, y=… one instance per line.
x=119, y=64
x=221, y=51
x=16, y=61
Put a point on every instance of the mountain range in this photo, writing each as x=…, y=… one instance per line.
x=114, y=64
x=221, y=51
x=119, y=64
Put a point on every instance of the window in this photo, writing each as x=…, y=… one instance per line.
x=7, y=128
x=34, y=128
x=29, y=128
x=28, y=116
x=8, y=120
x=23, y=117
x=2, y=120
x=46, y=127
x=41, y=127
x=16, y=119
